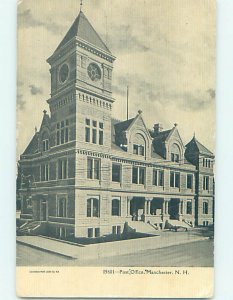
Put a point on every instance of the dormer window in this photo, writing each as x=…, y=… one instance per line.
x=45, y=145
x=45, y=142
x=139, y=144
x=138, y=149
x=175, y=153
x=175, y=157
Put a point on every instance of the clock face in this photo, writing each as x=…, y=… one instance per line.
x=63, y=73
x=94, y=72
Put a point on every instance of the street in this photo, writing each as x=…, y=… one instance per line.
x=194, y=254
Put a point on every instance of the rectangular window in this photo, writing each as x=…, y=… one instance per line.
x=62, y=132
x=135, y=175
x=96, y=169
x=174, y=179
x=61, y=207
x=89, y=208
x=141, y=175
x=87, y=134
x=205, y=208
x=116, y=172
x=101, y=133
x=155, y=177
x=138, y=149
x=177, y=180
x=93, y=207
x=189, y=208
x=135, y=149
x=158, y=177
x=58, y=137
x=189, y=181
x=89, y=168
x=206, y=183
x=45, y=172
x=175, y=157
x=90, y=232
x=94, y=136
x=45, y=145
x=62, y=169
x=138, y=175
x=97, y=232
x=93, y=168
x=101, y=137
x=141, y=150
x=116, y=207
x=161, y=178
x=93, y=133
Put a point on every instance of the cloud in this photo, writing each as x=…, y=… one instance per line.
x=26, y=19
x=35, y=90
x=127, y=40
x=191, y=100
x=20, y=102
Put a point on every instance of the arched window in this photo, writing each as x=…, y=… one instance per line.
x=45, y=141
x=93, y=207
x=139, y=144
x=175, y=153
x=116, y=211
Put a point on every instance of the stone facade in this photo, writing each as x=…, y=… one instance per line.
x=86, y=174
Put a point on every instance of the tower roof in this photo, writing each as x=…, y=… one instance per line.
x=200, y=148
x=83, y=29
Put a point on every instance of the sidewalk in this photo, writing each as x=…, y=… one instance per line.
x=95, y=251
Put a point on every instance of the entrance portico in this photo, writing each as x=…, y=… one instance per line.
x=148, y=209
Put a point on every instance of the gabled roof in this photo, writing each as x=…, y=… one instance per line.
x=83, y=29
x=162, y=136
x=123, y=126
x=46, y=120
x=199, y=147
x=159, y=139
x=33, y=145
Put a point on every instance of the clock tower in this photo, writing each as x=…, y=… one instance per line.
x=81, y=85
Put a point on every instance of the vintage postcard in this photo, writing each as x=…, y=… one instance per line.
x=115, y=148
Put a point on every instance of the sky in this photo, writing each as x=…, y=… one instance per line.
x=165, y=53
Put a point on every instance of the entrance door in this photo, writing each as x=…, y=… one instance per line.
x=173, y=209
x=137, y=208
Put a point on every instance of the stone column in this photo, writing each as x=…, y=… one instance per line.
x=145, y=207
x=149, y=203
x=167, y=207
x=179, y=212
x=128, y=205
x=164, y=207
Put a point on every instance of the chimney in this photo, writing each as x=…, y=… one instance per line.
x=158, y=128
